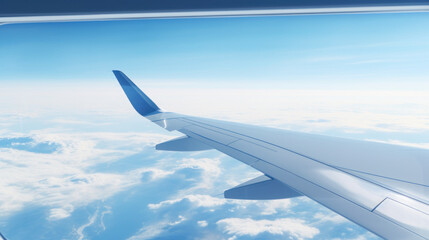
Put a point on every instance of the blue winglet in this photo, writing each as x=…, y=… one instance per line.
x=2, y=237
x=141, y=103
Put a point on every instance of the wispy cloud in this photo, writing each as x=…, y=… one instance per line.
x=202, y=223
x=150, y=231
x=91, y=220
x=60, y=213
x=108, y=210
x=329, y=58
x=376, y=61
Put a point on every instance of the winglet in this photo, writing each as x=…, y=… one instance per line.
x=141, y=103
x=2, y=237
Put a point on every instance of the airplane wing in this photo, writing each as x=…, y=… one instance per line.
x=382, y=187
x=2, y=237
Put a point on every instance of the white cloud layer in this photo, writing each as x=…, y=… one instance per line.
x=61, y=180
x=296, y=228
x=307, y=110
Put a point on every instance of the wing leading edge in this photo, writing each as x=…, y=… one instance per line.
x=381, y=187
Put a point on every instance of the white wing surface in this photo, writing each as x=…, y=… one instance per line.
x=382, y=187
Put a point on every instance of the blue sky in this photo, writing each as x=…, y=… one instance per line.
x=78, y=162
x=300, y=50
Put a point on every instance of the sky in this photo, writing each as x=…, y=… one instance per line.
x=77, y=162
x=343, y=50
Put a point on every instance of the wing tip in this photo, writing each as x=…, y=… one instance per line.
x=2, y=237
x=139, y=100
x=120, y=76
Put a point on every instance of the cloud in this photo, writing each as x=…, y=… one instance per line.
x=58, y=180
x=197, y=200
x=330, y=217
x=209, y=166
x=365, y=236
x=346, y=109
x=62, y=180
x=297, y=228
x=74, y=122
x=270, y=207
x=202, y=223
x=151, y=231
x=91, y=221
x=343, y=109
x=180, y=220
x=273, y=206
x=156, y=173
x=60, y=213
x=108, y=210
